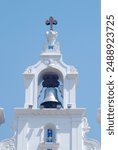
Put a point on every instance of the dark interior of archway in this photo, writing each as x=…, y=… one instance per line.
x=50, y=80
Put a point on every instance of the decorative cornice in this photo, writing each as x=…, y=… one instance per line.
x=80, y=112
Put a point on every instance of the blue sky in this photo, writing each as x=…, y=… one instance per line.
x=22, y=35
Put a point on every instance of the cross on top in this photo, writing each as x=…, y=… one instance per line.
x=51, y=22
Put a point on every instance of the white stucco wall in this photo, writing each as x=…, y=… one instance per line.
x=31, y=124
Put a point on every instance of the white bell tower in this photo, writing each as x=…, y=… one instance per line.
x=50, y=119
x=52, y=66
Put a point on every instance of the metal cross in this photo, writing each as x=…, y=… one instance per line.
x=51, y=22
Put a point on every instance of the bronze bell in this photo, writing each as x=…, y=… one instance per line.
x=50, y=99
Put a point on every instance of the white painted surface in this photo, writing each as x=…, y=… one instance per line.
x=31, y=125
x=2, y=119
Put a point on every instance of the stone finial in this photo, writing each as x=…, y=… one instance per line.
x=51, y=37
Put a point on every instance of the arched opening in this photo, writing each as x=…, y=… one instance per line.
x=50, y=133
x=50, y=91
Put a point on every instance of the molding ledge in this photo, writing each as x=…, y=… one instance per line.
x=80, y=112
x=49, y=145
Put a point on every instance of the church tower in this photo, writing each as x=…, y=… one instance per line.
x=50, y=119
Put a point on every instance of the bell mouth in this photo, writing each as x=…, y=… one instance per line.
x=51, y=104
